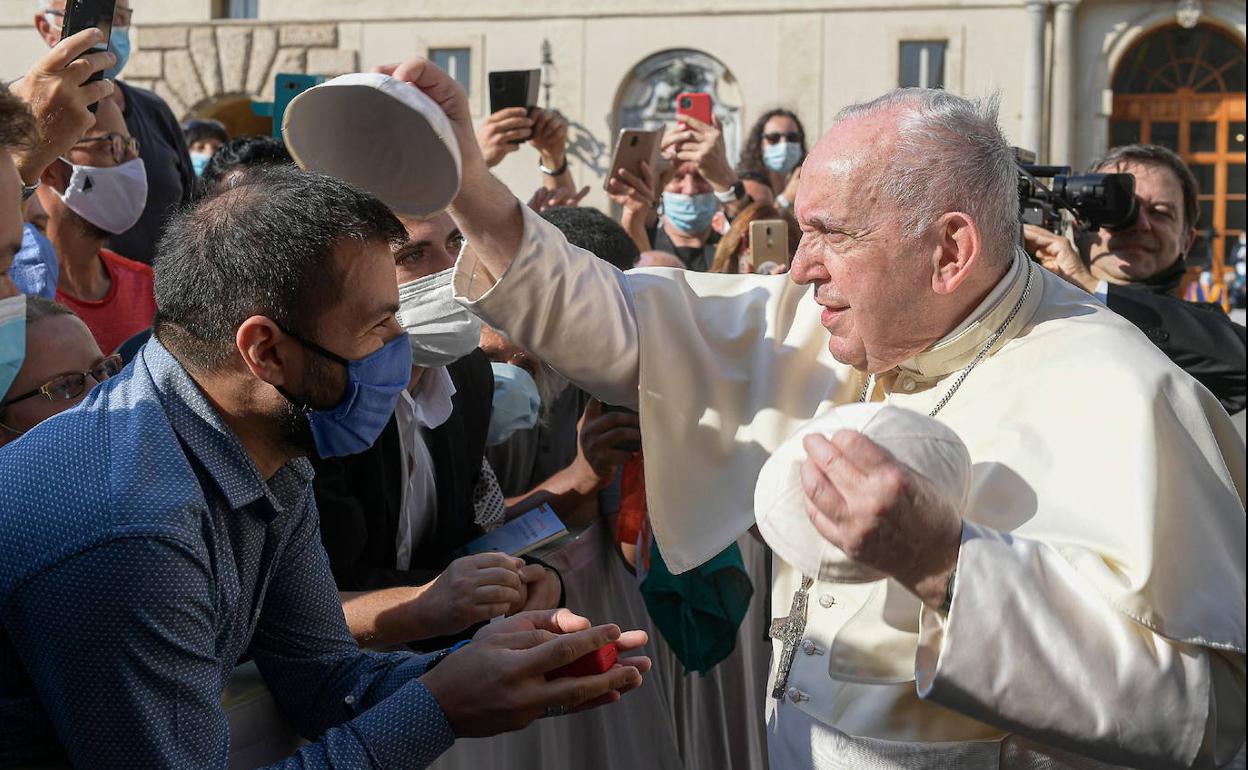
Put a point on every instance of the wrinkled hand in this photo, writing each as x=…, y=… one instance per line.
x=503, y=133
x=1058, y=255
x=471, y=590
x=450, y=96
x=704, y=145
x=634, y=193
x=498, y=683
x=598, y=452
x=880, y=513
x=57, y=91
x=545, y=198
x=550, y=136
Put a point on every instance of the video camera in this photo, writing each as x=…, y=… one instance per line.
x=1094, y=200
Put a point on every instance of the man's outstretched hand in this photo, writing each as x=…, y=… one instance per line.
x=498, y=682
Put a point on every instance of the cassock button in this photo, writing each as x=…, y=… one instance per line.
x=796, y=695
x=809, y=647
x=908, y=385
x=826, y=600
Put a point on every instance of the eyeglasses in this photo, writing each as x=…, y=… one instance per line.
x=121, y=15
x=123, y=147
x=67, y=387
x=792, y=137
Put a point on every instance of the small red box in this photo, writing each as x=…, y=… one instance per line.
x=596, y=662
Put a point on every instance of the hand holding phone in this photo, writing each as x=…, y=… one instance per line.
x=85, y=14
x=695, y=105
x=514, y=88
x=637, y=152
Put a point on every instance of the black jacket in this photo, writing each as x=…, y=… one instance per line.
x=359, y=496
x=1198, y=337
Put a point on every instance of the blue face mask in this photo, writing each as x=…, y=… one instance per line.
x=374, y=383
x=12, y=340
x=782, y=157
x=199, y=162
x=690, y=213
x=516, y=403
x=119, y=44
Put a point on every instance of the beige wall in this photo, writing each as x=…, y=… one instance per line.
x=809, y=55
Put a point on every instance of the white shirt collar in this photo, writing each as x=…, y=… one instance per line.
x=430, y=403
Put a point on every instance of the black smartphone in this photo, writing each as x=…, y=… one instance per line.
x=85, y=14
x=514, y=88
x=627, y=446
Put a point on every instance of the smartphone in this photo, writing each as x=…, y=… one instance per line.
x=626, y=446
x=633, y=146
x=514, y=88
x=769, y=241
x=85, y=14
x=695, y=105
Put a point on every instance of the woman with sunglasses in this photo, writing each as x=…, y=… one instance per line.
x=772, y=158
x=61, y=365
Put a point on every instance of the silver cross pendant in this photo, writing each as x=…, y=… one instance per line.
x=789, y=631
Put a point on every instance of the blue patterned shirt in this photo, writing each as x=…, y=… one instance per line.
x=141, y=555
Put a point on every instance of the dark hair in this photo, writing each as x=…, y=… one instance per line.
x=751, y=165
x=200, y=130
x=590, y=229
x=17, y=123
x=243, y=153
x=1156, y=155
x=262, y=247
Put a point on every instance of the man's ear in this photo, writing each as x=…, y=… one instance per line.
x=1189, y=242
x=958, y=248
x=267, y=351
x=56, y=176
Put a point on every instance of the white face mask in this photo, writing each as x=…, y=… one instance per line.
x=440, y=329
x=111, y=198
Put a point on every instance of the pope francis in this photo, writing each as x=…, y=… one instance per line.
x=1079, y=605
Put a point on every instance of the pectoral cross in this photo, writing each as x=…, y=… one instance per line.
x=789, y=630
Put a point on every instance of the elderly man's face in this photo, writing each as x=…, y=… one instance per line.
x=55, y=345
x=1155, y=241
x=872, y=281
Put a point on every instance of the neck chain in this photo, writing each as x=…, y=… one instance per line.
x=983, y=352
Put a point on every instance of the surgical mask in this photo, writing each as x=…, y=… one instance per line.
x=374, y=383
x=111, y=198
x=199, y=162
x=690, y=213
x=12, y=340
x=119, y=44
x=516, y=403
x=439, y=329
x=782, y=157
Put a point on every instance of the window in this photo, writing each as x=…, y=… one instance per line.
x=236, y=9
x=456, y=62
x=922, y=64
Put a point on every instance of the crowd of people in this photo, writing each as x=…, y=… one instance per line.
x=248, y=413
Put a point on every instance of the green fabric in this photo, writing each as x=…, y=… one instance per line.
x=698, y=613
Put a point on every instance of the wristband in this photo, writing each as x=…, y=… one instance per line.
x=555, y=171
x=29, y=190
x=783, y=202
x=442, y=655
x=732, y=194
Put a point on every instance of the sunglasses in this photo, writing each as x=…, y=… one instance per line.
x=67, y=387
x=792, y=137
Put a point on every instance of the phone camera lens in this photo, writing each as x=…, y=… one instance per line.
x=686, y=103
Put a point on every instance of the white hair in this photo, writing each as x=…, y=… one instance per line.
x=950, y=155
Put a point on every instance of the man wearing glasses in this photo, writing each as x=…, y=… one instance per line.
x=94, y=191
x=61, y=366
x=171, y=178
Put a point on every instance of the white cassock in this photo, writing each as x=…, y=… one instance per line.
x=1098, y=614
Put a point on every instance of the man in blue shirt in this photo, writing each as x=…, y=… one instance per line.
x=164, y=529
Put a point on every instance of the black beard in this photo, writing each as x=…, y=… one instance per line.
x=320, y=387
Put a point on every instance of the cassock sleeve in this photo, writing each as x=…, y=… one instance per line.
x=573, y=310
x=1062, y=666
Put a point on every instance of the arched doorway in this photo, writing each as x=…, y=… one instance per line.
x=1184, y=89
x=647, y=98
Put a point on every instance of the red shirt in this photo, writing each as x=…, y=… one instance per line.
x=126, y=310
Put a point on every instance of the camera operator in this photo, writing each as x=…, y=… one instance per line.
x=1136, y=271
